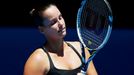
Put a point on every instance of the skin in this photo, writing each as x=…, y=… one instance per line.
x=54, y=30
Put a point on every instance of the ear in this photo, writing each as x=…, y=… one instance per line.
x=32, y=12
x=41, y=29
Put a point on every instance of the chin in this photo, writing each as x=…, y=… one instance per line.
x=63, y=35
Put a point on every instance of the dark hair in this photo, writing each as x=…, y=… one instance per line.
x=35, y=12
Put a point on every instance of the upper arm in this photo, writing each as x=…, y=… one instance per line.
x=91, y=68
x=35, y=64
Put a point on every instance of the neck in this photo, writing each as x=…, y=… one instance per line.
x=56, y=46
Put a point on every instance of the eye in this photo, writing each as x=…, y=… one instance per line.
x=60, y=17
x=53, y=22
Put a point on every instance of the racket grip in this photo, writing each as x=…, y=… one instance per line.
x=83, y=72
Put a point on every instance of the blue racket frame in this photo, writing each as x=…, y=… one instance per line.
x=83, y=46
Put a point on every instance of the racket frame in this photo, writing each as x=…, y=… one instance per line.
x=83, y=46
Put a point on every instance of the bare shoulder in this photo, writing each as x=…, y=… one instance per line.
x=74, y=42
x=76, y=45
x=37, y=63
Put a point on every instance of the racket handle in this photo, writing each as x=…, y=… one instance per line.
x=83, y=72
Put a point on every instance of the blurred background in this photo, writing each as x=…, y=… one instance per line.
x=19, y=36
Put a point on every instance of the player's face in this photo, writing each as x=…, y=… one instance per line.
x=54, y=24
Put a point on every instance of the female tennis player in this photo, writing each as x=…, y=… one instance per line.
x=56, y=56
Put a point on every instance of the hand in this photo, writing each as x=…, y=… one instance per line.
x=80, y=74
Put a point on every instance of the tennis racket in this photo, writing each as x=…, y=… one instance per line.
x=94, y=26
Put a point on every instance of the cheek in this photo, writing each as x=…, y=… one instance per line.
x=50, y=33
x=54, y=27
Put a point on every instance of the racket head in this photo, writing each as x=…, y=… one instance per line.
x=94, y=23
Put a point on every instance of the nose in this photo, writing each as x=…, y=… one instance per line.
x=60, y=23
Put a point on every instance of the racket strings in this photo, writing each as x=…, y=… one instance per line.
x=98, y=33
x=88, y=26
x=93, y=44
x=97, y=40
x=83, y=17
x=100, y=6
x=93, y=38
x=92, y=34
x=86, y=15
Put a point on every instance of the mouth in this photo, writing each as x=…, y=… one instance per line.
x=62, y=30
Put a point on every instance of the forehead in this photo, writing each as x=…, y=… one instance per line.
x=51, y=12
